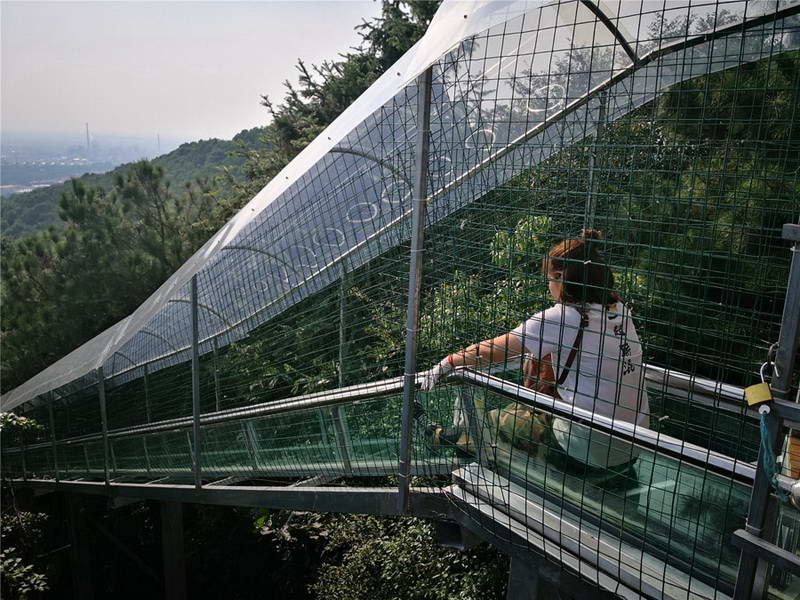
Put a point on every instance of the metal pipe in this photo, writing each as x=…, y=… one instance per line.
x=659, y=442
x=337, y=414
x=591, y=199
x=147, y=414
x=217, y=391
x=418, y=219
x=306, y=402
x=53, y=433
x=198, y=469
x=101, y=392
x=757, y=522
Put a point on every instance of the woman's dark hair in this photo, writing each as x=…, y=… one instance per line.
x=586, y=278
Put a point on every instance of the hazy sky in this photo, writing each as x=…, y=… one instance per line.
x=183, y=69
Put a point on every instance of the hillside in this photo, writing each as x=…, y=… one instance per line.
x=22, y=214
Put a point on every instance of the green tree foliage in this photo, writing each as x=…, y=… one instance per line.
x=370, y=558
x=62, y=287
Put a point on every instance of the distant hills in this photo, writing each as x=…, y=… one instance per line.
x=25, y=213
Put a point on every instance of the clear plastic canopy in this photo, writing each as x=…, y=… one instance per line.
x=512, y=83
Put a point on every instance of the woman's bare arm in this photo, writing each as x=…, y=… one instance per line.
x=488, y=351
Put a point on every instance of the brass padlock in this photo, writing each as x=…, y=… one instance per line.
x=758, y=393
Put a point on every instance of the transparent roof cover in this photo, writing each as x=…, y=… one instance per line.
x=509, y=79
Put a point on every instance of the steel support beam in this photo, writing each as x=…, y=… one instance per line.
x=750, y=581
x=337, y=412
x=196, y=450
x=430, y=503
x=53, y=434
x=591, y=200
x=418, y=218
x=80, y=548
x=147, y=413
x=101, y=393
x=173, y=550
x=523, y=580
x=217, y=390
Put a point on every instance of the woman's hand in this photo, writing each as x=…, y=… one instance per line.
x=431, y=377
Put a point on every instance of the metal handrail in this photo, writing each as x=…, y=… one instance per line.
x=345, y=395
x=640, y=436
x=636, y=434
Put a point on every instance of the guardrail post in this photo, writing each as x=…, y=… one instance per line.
x=337, y=413
x=217, y=391
x=23, y=445
x=173, y=550
x=420, y=204
x=101, y=392
x=198, y=468
x=591, y=200
x=146, y=394
x=53, y=434
x=751, y=580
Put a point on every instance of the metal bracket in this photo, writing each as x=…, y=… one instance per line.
x=791, y=232
x=756, y=546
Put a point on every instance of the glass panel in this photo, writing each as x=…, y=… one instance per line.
x=672, y=510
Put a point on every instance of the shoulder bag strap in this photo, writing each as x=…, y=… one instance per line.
x=571, y=358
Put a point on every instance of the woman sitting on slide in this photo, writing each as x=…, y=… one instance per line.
x=596, y=360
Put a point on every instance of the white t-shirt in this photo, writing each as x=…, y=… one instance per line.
x=606, y=376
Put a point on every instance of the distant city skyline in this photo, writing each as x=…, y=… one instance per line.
x=187, y=70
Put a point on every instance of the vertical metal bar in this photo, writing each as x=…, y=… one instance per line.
x=80, y=547
x=53, y=433
x=147, y=414
x=342, y=330
x=198, y=468
x=249, y=438
x=757, y=522
x=24, y=445
x=217, y=391
x=523, y=581
x=101, y=391
x=146, y=454
x=86, y=459
x=480, y=435
x=591, y=199
x=414, y=281
x=337, y=412
x=173, y=550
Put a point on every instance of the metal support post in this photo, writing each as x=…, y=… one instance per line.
x=53, y=434
x=523, y=581
x=147, y=414
x=414, y=281
x=198, y=468
x=217, y=391
x=80, y=549
x=591, y=200
x=250, y=440
x=751, y=580
x=23, y=445
x=342, y=330
x=101, y=391
x=173, y=550
x=146, y=454
x=337, y=412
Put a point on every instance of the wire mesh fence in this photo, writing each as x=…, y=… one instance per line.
x=674, y=129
